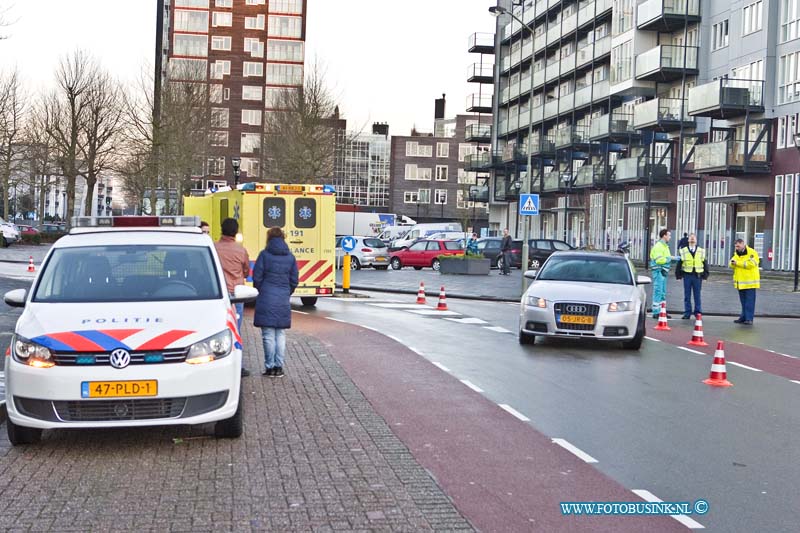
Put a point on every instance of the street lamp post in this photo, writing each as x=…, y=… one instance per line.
x=236, y=163
x=566, y=178
x=497, y=11
x=473, y=194
x=797, y=228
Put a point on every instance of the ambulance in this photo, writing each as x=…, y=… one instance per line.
x=305, y=212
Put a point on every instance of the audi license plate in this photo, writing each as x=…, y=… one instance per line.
x=576, y=319
x=118, y=389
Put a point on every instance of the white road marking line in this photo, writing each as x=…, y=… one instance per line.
x=498, y=329
x=440, y=366
x=648, y=496
x=415, y=351
x=471, y=385
x=745, y=366
x=574, y=450
x=395, y=339
x=433, y=312
x=336, y=319
x=652, y=339
x=517, y=414
x=397, y=306
x=468, y=320
x=795, y=381
x=787, y=355
x=685, y=349
x=299, y=312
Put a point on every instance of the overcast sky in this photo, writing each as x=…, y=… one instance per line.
x=386, y=60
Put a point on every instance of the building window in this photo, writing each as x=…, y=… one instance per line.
x=219, y=117
x=220, y=42
x=223, y=3
x=782, y=132
x=219, y=138
x=789, y=78
x=286, y=6
x=413, y=172
x=252, y=166
x=466, y=149
x=687, y=209
x=442, y=149
x=275, y=97
x=251, y=117
x=285, y=50
x=255, y=23
x=622, y=62
x=414, y=149
x=420, y=196
x=254, y=46
x=790, y=20
x=191, y=3
x=255, y=2
x=750, y=71
x=187, y=69
x=282, y=74
x=251, y=142
x=216, y=166
x=226, y=94
x=193, y=21
x=251, y=92
x=285, y=26
x=716, y=233
x=221, y=19
x=219, y=69
x=751, y=17
x=623, y=15
x=787, y=194
x=215, y=93
x=252, y=68
x=719, y=35
x=441, y=172
x=190, y=45
x=440, y=197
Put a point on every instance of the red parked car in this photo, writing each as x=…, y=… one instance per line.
x=425, y=254
x=27, y=230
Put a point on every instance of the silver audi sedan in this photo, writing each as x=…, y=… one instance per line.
x=585, y=294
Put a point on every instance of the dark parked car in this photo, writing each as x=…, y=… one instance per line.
x=489, y=247
x=53, y=227
x=541, y=249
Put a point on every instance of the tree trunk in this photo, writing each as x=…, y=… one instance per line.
x=91, y=180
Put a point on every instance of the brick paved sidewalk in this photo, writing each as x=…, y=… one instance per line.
x=315, y=456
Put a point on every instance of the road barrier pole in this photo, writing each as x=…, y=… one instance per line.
x=346, y=274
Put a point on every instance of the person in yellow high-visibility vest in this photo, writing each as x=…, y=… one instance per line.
x=693, y=270
x=746, y=278
x=660, y=262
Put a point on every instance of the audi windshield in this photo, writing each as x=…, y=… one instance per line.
x=586, y=269
x=128, y=273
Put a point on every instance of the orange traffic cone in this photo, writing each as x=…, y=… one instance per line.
x=442, y=306
x=421, y=293
x=30, y=264
x=662, y=319
x=718, y=377
x=697, y=336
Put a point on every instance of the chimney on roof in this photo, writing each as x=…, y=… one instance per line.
x=380, y=128
x=438, y=113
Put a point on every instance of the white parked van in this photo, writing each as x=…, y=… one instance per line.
x=423, y=231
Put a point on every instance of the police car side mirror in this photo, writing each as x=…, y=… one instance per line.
x=643, y=280
x=243, y=294
x=16, y=298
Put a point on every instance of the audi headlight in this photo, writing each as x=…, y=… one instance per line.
x=620, y=306
x=535, y=301
x=210, y=349
x=32, y=354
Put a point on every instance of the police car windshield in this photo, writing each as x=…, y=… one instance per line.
x=128, y=273
x=586, y=269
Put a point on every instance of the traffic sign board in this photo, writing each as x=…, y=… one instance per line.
x=528, y=204
x=348, y=244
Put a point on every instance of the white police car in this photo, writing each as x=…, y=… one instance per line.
x=127, y=323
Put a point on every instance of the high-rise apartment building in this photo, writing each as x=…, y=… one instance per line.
x=248, y=52
x=676, y=114
x=361, y=168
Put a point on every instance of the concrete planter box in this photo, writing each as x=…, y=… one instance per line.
x=470, y=267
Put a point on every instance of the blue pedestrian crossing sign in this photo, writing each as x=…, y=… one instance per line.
x=348, y=244
x=528, y=204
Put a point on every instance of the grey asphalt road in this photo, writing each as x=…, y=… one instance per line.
x=719, y=296
x=8, y=319
x=645, y=416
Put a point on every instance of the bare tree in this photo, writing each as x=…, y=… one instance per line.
x=40, y=157
x=5, y=9
x=12, y=109
x=300, y=136
x=65, y=112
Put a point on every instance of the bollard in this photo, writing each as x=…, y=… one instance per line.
x=346, y=274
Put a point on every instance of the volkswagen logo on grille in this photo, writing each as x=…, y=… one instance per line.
x=575, y=309
x=120, y=358
x=121, y=410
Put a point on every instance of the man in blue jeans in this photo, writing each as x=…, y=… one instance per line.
x=692, y=268
x=235, y=265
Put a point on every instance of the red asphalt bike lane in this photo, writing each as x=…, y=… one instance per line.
x=736, y=352
x=500, y=472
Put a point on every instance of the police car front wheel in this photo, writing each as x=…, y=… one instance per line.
x=18, y=435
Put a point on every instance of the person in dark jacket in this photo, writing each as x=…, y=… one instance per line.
x=505, y=248
x=684, y=242
x=275, y=277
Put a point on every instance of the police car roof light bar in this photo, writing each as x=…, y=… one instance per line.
x=135, y=221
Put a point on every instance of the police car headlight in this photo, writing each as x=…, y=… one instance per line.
x=32, y=354
x=620, y=306
x=215, y=347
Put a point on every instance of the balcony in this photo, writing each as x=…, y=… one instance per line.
x=556, y=181
x=546, y=147
x=479, y=103
x=478, y=133
x=667, y=15
x=601, y=90
x=586, y=14
x=732, y=157
x=727, y=98
x=551, y=109
x=506, y=188
x=481, y=43
x=666, y=63
x=590, y=176
x=569, y=24
x=480, y=73
x=583, y=96
x=568, y=64
x=478, y=161
x=612, y=127
x=553, y=34
x=649, y=167
x=551, y=73
x=576, y=135
x=662, y=114
x=602, y=47
x=538, y=78
x=512, y=153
